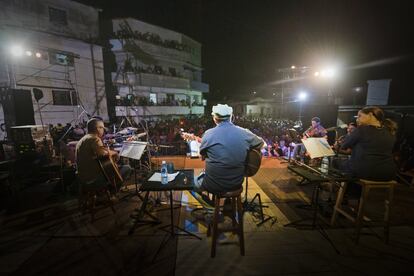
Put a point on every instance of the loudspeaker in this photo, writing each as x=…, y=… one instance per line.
x=17, y=107
x=38, y=94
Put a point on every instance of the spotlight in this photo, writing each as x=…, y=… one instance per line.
x=292, y=67
x=28, y=53
x=38, y=55
x=16, y=51
x=316, y=74
x=330, y=73
x=302, y=96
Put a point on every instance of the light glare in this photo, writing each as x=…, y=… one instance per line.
x=302, y=96
x=16, y=51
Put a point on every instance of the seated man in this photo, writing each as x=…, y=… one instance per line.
x=88, y=150
x=225, y=148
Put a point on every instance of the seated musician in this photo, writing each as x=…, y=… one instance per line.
x=372, y=143
x=315, y=130
x=89, y=149
x=338, y=144
x=225, y=148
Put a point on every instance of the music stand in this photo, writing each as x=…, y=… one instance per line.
x=134, y=150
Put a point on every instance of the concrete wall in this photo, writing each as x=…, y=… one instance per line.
x=26, y=23
x=82, y=20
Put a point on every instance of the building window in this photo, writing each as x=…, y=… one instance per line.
x=57, y=16
x=61, y=58
x=153, y=98
x=64, y=97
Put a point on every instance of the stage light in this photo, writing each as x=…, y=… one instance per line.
x=254, y=92
x=330, y=72
x=16, y=51
x=274, y=94
x=38, y=55
x=292, y=67
x=28, y=53
x=316, y=74
x=302, y=96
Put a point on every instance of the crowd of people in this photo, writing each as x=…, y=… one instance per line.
x=278, y=134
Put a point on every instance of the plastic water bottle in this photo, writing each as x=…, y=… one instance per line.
x=325, y=165
x=164, y=173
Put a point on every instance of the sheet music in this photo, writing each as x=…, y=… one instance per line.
x=318, y=147
x=157, y=177
x=133, y=149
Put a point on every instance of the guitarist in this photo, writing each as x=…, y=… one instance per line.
x=225, y=148
x=89, y=150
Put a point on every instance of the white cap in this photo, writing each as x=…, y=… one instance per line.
x=222, y=110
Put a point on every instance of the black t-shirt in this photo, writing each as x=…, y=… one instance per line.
x=371, y=156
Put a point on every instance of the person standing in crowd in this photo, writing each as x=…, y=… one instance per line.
x=89, y=150
x=225, y=148
x=315, y=130
x=372, y=144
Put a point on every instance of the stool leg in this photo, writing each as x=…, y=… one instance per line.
x=92, y=206
x=240, y=224
x=215, y=228
x=234, y=211
x=360, y=216
x=111, y=204
x=338, y=202
x=388, y=204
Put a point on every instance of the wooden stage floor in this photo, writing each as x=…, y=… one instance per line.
x=55, y=239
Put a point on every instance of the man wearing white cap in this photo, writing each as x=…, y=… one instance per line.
x=225, y=148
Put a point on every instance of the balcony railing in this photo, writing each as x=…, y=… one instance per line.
x=154, y=80
x=158, y=110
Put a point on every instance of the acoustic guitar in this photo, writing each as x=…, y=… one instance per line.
x=253, y=157
x=110, y=170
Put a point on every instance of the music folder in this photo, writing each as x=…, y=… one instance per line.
x=133, y=149
x=318, y=147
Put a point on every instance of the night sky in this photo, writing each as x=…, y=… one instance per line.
x=245, y=42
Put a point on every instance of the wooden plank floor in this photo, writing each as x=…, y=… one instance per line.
x=55, y=239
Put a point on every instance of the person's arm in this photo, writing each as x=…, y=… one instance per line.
x=255, y=141
x=351, y=140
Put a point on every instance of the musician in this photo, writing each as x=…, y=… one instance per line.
x=315, y=130
x=89, y=149
x=372, y=143
x=225, y=148
x=338, y=144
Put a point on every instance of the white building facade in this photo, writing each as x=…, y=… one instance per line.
x=158, y=73
x=51, y=45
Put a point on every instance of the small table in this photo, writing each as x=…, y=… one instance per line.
x=183, y=182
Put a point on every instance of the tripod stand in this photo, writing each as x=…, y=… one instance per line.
x=256, y=209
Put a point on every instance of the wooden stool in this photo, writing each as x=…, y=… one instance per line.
x=87, y=198
x=366, y=185
x=237, y=219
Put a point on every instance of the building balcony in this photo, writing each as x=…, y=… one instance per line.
x=149, y=111
x=156, y=50
x=151, y=80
